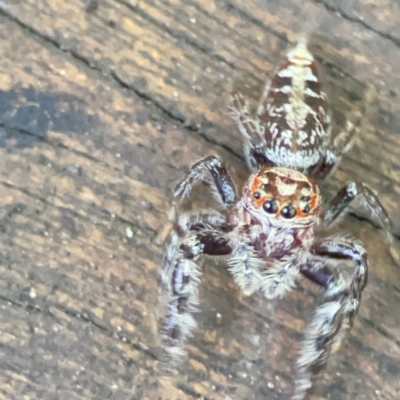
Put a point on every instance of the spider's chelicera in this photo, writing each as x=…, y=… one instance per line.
x=267, y=235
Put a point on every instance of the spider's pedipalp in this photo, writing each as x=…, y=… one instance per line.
x=211, y=171
x=280, y=277
x=335, y=317
x=245, y=264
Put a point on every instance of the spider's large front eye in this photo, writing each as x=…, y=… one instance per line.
x=271, y=206
x=288, y=211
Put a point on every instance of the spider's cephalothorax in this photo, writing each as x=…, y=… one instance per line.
x=267, y=236
x=286, y=195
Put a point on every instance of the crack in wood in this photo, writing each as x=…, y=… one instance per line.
x=55, y=144
x=173, y=116
x=29, y=307
x=222, y=349
x=358, y=20
x=187, y=39
x=76, y=214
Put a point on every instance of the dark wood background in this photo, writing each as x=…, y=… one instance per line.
x=103, y=106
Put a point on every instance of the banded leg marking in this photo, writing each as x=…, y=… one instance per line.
x=180, y=275
x=335, y=316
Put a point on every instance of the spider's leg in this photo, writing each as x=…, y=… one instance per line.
x=341, y=145
x=211, y=171
x=264, y=96
x=369, y=201
x=333, y=318
x=253, y=132
x=194, y=235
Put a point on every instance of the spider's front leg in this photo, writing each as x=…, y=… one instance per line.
x=333, y=318
x=193, y=235
x=212, y=172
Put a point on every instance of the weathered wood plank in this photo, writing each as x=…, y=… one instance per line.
x=100, y=113
x=216, y=47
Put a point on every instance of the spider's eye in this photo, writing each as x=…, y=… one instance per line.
x=271, y=206
x=306, y=208
x=257, y=195
x=288, y=211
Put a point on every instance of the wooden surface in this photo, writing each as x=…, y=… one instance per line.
x=103, y=106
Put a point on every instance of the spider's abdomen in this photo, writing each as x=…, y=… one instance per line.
x=295, y=112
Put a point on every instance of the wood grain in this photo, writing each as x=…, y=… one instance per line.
x=102, y=109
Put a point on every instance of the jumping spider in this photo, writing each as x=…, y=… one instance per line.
x=267, y=235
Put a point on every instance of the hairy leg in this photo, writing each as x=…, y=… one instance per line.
x=211, y=171
x=341, y=145
x=369, y=202
x=336, y=315
x=252, y=131
x=193, y=235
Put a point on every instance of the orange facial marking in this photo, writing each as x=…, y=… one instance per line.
x=313, y=206
x=256, y=187
x=288, y=187
x=300, y=213
x=315, y=201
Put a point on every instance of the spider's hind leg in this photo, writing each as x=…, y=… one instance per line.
x=252, y=130
x=193, y=235
x=333, y=154
x=335, y=317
